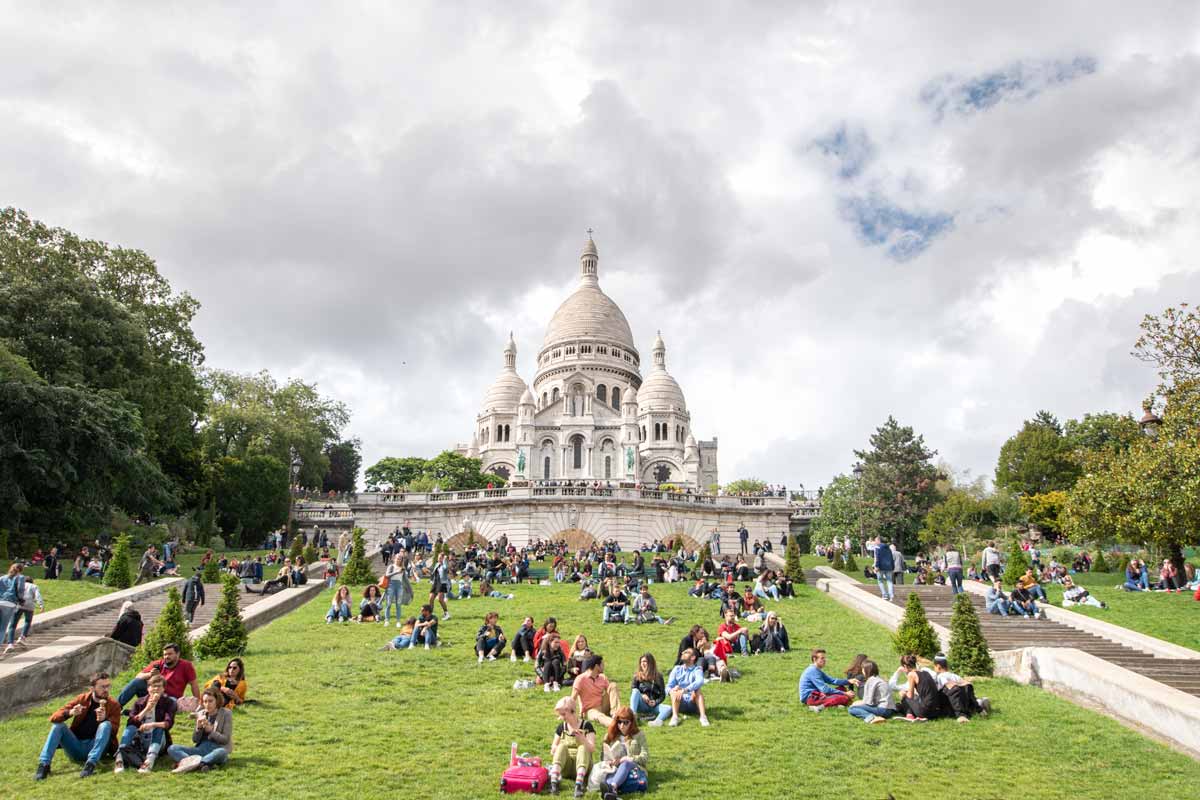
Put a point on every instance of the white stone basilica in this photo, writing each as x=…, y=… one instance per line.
x=590, y=414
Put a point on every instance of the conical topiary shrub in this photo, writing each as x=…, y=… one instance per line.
x=1098, y=563
x=968, y=649
x=915, y=634
x=358, y=569
x=169, y=628
x=792, y=567
x=119, y=572
x=1018, y=562
x=226, y=636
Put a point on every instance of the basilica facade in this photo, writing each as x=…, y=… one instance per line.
x=590, y=413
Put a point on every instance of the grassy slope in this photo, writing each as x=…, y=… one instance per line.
x=1171, y=617
x=349, y=718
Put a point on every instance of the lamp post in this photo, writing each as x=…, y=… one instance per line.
x=858, y=473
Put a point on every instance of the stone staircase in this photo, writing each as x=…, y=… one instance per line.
x=100, y=622
x=1010, y=633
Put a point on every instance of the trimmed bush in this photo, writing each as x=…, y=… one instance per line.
x=1098, y=563
x=170, y=627
x=212, y=571
x=226, y=636
x=119, y=572
x=792, y=566
x=915, y=634
x=358, y=569
x=1018, y=562
x=968, y=649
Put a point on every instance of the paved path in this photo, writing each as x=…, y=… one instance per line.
x=1010, y=633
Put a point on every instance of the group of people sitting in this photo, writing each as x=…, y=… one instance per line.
x=924, y=693
x=86, y=726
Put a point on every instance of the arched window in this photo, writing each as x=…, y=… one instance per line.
x=616, y=397
x=546, y=468
x=554, y=395
x=607, y=467
x=602, y=393
x=577, y=451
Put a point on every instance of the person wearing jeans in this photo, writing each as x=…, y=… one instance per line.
x=83, y=728
x=884, y=564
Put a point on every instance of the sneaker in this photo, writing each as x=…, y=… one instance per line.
x=89, y=769
x=187, y=764
x=655, y=723
x=704, y=722
x=674, y=723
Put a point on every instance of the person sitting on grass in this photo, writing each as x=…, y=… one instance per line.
x=572, y=748
x=551, y=665
x=490, y=639
x=996, y=600
x=231, y=683
x=1030, y=583
x=426, y=628
x=339, y=606
x=819, y=691
x=212, y=739
x=522, y=646
x=370, y=607
x=84, y=728
x=684, y=688
x=772, y=637
x=1021, y=602
x=877, y=704
x=405, y=638
x=959, y=693
x=920, y=699
x=645, y=608
x=624, y=748
x=150, y=718
x=647, y=690
x=1076, y=595
x=597, y=696
x=735, y=635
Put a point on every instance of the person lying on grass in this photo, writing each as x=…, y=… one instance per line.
x=572, y=748
x=596, y=695
x=818, y=691
x=684, y=688
x=624, y=750
x=877, y=704
x=1076, y=595
x=489, y=641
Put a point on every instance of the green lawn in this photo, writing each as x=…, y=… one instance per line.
x=337, y=717
x=1168, y=616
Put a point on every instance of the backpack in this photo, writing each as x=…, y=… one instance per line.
x=524, y=774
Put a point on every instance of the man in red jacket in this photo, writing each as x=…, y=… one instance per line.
x=94, y=716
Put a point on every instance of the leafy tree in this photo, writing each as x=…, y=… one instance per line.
x=226, y=635
x=915, y=634
x=969, y=653
x=358, y=570
x=898, y=481
x=170, y=628
x=119, y=572
x=252, y=496
x=345, y=459
x=1038, y=459
x=793, y=568
x=1018, y=562
x=843, y=512
x=395, y=472
x=746, y=485
x=1045, y=509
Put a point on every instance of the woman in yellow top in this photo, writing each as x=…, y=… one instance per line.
x=231, y=683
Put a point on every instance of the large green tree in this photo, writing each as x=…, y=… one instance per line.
x=252, y=496
x=1037, y=459
x=899, y=481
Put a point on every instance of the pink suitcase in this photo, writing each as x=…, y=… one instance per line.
x=524, y=774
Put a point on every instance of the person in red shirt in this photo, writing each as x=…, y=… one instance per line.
x=177, y=674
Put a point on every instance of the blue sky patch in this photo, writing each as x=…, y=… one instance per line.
x=903, y=234
x=1020, y=81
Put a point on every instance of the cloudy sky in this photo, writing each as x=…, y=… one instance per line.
x=956, y=213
